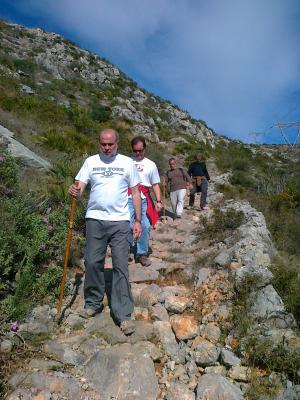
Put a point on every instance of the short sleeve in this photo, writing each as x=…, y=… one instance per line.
x=155, y=178
x=83, y=174
x=134, y=178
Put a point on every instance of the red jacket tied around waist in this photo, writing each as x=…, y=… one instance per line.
x=152, y=213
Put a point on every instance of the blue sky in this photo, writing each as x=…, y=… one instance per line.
x=233, y=63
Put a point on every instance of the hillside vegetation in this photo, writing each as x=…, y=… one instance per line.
x=56, y=97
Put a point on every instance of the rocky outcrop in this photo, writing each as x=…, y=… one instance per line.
x=61, y=60
x=22, y=152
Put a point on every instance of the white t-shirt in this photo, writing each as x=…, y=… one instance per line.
x=109, y=182
x=147, y=171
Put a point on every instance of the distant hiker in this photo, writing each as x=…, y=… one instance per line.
x=200, y=178
x=110, y=175
x=179, y=181
x=149, y=177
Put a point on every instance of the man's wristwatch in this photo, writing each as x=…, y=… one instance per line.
x=138, y=220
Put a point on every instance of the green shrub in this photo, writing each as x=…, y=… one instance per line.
x=33, y=232
x=286, y=280
x=242, y=178
x=8, y=171
x=221, y=225
x=100, y=113
x=67, y=140
x=26, y=65
x=165, y=134
x=48, y=282
x=262, y=353
x=233, y=155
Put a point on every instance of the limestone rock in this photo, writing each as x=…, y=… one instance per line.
x=179, y=391
x=140, y=313
x=223, y=259
x=203, y=275
x=176, y=304
x=217, y=369
x=150, y=348
x=210, y=332
x=137, y=274
x=185, y=327
x=158, y=313
x=64, y=353
x=29, y=329
x=240, y=373
x=167, y=337
x=152, y=294
x=205, y=353
x=228, y=358
x=103, y=325
x=216, y=387
x=59, y=383
x=267, y=303
x=134, y=373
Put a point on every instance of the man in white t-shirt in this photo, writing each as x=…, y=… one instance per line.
x=110, y=176
x=149, y=177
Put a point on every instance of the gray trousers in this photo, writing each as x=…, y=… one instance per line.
x=100, y=234
x=203, y=188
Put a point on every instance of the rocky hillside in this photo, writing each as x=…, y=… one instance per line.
x=43, y=70
x=194, y=340
x=216, y=313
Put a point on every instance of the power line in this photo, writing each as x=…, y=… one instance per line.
x=284, y=125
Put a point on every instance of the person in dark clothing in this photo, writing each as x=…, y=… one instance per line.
x=200, y=178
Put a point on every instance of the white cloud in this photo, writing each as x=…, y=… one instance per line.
x=232, y=63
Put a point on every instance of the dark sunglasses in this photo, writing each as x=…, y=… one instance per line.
x=138, y=151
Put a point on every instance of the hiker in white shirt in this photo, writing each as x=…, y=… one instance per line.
x=110, y=176
x=149, y=177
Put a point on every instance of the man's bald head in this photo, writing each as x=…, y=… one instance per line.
x=109, y=132
x=109, y=140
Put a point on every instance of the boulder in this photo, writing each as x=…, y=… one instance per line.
x=122, y=372
x=179, y=391
x=210, y=332
x=164, y=332
x=217, y=387
x=203, y=275
x=228, y=358
x=240, y=373
x=137, y=274
x=64, y=353
x=176, y=304
x=152, y=294
x=205, y=353
x=158, y=313
x=185, y=327
x=267, y=303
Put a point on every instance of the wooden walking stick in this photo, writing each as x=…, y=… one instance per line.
x=67, y=252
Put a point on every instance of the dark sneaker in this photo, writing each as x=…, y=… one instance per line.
x=144, y=260
x=87, y=313
x=127, y=327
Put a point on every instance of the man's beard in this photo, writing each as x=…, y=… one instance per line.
x=108, y=157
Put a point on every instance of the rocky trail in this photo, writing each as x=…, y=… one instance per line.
x=184, y=347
